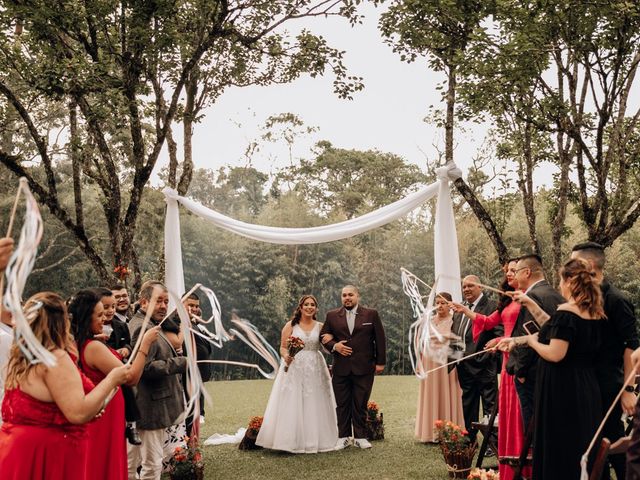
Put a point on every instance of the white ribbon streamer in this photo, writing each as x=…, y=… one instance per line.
x=18, y=270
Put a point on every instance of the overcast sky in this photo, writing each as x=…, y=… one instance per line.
x=387, y=115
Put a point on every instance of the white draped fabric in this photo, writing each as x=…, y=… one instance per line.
x=447, y=266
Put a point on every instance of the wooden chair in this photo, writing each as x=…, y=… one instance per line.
x=489, y=432
x=607, y=448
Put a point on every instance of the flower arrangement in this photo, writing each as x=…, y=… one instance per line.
x=248, y=442
x=482, y=474
x=187, y=463
x=375, y=422
x=294, y=345
x=456, y=447
x=122, y=271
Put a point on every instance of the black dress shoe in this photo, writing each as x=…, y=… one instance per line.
x=489, y=453
x=132, y=435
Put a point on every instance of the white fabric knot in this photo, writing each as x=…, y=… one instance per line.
x=170, y=194
x=450, y=172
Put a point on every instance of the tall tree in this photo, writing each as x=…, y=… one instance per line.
x=563, y=73
x=441, y=31
x=118, y=69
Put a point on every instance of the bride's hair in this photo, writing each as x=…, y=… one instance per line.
x=297, y=313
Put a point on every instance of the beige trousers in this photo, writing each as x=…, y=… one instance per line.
x=148, y=455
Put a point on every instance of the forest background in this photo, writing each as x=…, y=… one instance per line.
x=92, y=92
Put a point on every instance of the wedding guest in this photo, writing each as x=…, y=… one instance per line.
x=633, y=452
x=359, y=349
x=119, y=340
x=522, y=362
x=568, y=406
x=107, y=457
x=440, y=396
x=510, y=429
x=122, y=302
x=203, y=349
x=301, y=412
x=43, y=436
x=478, y=376
x=614, y=362
x=6, y=340
x=160, y=397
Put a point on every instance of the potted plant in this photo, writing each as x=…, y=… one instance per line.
x=248, y=442
x=187, y=463
x=375, y=422
x=456, y=447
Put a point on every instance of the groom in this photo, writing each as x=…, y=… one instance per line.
x=359, y=352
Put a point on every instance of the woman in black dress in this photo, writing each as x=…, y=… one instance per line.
x=567, y=405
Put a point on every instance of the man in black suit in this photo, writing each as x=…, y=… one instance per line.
x=478, y=376
x=358, y=344
x=613, y=364
x=523, y=360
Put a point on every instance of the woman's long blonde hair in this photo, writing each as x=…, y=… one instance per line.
x=50, y=326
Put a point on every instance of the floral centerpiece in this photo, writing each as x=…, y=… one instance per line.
x=456, y=447
x=375, y=424
x=294, y=345
x=248, y=442
x=482, y=474
x=187, y=463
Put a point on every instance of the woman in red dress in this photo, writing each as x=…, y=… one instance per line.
x=510, y=428
x=107, y=452
x=43, y=436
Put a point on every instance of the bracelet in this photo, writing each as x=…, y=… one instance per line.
x=144, y=353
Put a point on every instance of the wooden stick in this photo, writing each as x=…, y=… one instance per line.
x=11, y=219
x=493, y=349
x=13, y=210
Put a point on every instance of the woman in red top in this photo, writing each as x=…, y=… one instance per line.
x=44, y=408
x=510, y=428
x=107, y=455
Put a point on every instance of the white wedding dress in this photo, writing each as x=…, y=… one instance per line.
x=301, y=413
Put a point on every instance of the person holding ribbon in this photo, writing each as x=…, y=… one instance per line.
x=107, y=457
x=45, y=408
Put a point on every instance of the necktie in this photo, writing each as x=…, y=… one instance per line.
x=351, y=320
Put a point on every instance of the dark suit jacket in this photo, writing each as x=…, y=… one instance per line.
x=620, y=333
x=120, y=336
x=367, y=341
x=523, y=360
x=159, y=393
x=462, y=326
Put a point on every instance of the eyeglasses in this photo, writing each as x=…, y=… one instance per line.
x=521, y=268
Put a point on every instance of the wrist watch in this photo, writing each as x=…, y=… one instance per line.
x=630, y=389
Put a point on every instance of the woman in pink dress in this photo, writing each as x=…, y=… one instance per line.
x=510, y=428
x=440, y=396
x=107, y=453
x=43, y=436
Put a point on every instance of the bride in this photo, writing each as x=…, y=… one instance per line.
x=301, y=413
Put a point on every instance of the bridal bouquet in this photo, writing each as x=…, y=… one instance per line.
x=294, y=345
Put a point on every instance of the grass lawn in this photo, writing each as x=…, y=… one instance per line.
x=398, y=456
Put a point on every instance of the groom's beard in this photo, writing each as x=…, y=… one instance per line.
x=349, y=308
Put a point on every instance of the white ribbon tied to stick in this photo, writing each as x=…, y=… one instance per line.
x=18, y=270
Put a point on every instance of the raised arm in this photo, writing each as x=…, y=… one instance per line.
x=536, y=311
x=98, y=356
x=65, y=385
